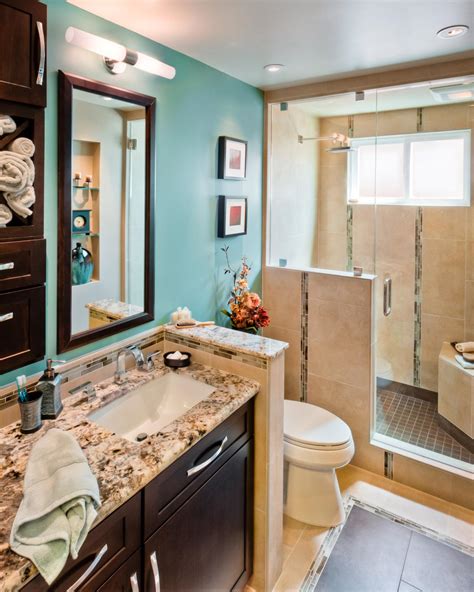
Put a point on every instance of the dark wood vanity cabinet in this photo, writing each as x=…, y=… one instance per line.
x=178, y=534
x=23, y=51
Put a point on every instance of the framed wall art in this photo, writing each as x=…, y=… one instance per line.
x=232, y=158
x=231, y=216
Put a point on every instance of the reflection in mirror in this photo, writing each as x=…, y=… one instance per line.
x=107, y=210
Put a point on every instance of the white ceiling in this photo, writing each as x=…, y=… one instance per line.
x=313, y=38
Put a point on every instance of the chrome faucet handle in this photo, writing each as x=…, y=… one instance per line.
x=120, y=374
x=150, y=360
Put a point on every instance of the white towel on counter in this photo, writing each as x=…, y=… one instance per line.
x=464, y=363
x=7, y=125
x=59, y=505
x=22, y=146
x=16, y=171
x=5, y=215
x=21, y=202
x=465, y=346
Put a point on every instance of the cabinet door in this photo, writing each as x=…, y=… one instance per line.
x=23, y=51
x=127, y=578
x=22, y=327
x=206, y=544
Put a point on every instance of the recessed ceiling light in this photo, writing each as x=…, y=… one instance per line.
x=273, y=67
x=453, y=31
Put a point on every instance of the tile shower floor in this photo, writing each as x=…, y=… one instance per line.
x=414, y=421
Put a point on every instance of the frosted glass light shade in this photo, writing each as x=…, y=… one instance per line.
x=148, y=64
x=98, y=45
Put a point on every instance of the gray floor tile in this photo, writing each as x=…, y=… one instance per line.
x=404, y=587
x=368, y=556
x=434, y=567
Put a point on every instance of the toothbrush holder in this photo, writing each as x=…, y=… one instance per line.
x=30, y=412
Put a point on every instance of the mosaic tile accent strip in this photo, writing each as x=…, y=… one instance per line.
x=350, y=240
x=417, y=311
x=82, y=369
x=414, y=421
x=312, y=577
x=304, y=337
x=216, y=351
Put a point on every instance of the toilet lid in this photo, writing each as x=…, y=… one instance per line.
x=308, y=425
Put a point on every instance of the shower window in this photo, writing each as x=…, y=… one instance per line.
x=412, y=169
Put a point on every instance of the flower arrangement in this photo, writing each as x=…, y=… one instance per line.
x=246, y=312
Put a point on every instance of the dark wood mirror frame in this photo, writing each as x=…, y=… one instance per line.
x=67, y=82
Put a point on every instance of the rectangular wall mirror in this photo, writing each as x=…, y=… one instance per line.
x=106, y=193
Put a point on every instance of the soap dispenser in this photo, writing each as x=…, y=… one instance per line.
x=50, y=385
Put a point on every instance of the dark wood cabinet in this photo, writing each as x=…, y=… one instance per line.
x=23, y=51
x=203, y=543
x=22, y=264
x=206, y=544
x=22, y=327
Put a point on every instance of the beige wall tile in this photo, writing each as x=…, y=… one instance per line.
x=335, y=323
x=445, y=223
x=395, y=343
x=445, y=117
x=9, y=415
x=365, y=125
x=403, y=289
x=363, y=237
x=346, y=363
x=434, y=481
x=395, y=122
x=282, y=296
x=434, y=331
x=368, y=457
x=349, y=290
x=332, y=251
x=395, y=234
x=292, y=359
x=443, y=278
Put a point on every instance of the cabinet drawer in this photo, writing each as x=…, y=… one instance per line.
x=170, y=489
x=22, y=327
x=22, y=264
x=121, y=580
x=121, y=533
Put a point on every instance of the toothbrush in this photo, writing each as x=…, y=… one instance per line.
x=21, y=384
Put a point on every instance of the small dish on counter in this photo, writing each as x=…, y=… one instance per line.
x=177, y=362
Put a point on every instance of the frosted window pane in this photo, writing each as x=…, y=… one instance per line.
x=437, y=169
x=381, y=171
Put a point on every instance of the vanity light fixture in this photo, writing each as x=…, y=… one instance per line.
x=273, y=67
x=452, y=32
x=117, y=56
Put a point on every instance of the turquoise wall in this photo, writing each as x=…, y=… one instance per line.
x=195, y=108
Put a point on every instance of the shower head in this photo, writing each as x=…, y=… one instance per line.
x=338, y=149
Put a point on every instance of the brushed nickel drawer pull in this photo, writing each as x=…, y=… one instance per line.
x=89, y=570
x=6, y=317
x=156, y=571
x=40, y=76
x=5, y=266
x=134, y=582
x=211, y=459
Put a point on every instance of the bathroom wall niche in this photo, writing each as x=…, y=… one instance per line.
x=106, y=193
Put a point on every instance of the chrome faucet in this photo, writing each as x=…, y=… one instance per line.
x=136, y=352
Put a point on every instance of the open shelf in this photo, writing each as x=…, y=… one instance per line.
x=86, y=188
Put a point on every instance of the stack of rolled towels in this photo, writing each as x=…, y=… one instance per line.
x=17, y=174
x=465, y=355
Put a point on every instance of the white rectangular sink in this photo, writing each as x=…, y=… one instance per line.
x=152, y=406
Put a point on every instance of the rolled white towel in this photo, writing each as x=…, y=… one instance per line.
x=464, y=363
x=465, y=346
x=22, y=146
x=7, y=125
x=5, y=215
x=16, y=171
x=21, y=202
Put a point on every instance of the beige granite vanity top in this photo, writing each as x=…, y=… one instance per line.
x=237, y=341
x=121, y=467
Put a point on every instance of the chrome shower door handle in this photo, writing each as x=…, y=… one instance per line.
x=156, y=571
x=42, y=58
x=387, y=296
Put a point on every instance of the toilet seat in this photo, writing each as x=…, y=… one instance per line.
x=314, y=428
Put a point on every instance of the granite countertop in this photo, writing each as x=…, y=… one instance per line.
x=238, y=341
x=122, y=467
x=115, y=308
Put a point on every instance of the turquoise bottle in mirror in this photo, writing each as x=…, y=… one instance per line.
x=82, y=265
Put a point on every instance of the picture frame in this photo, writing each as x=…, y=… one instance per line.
x=232, y=216
x=232, y=161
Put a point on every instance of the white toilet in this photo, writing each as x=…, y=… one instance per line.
x=316, y=443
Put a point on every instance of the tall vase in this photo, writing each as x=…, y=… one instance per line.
x=82, y=265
